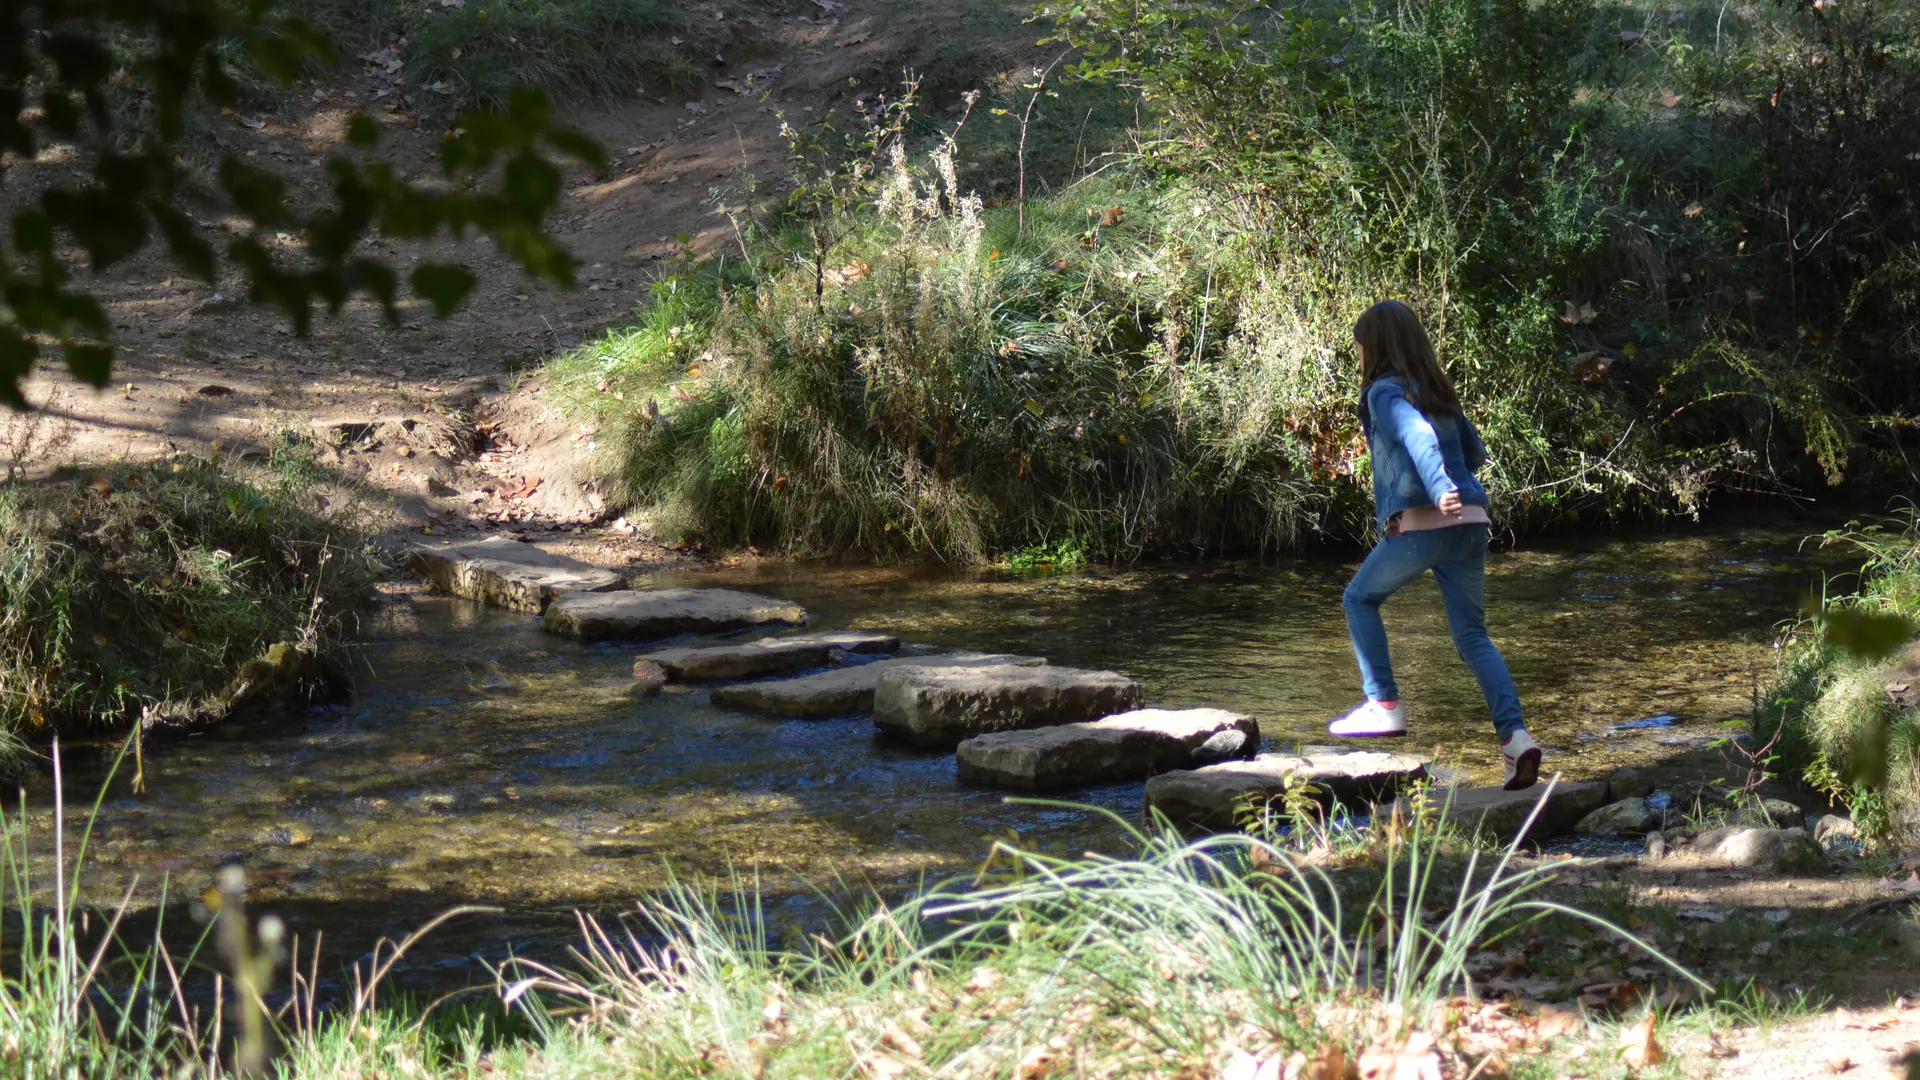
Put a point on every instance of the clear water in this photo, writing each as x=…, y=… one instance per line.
x=483, y=761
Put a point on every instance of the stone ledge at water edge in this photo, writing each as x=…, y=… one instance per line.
x=509, y=574
x=1129, y=746
x=940, y=707
x=844, y=690
x=660, y=613
x=1502, y=814
x=768, y=656
x=1221, y=796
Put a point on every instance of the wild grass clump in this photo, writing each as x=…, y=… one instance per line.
x=1186, y=957
x=1589, y=203
x=1845, y=703
x=132, y=590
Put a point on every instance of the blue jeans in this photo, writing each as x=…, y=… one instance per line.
x=1458, y=558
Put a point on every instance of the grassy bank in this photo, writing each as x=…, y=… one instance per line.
x=1227, y=956
x=170, y=590
x=1845, y=704
x=1643, y=239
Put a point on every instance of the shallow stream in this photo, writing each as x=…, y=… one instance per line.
x=485, y=761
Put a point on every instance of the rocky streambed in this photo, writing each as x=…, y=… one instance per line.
x=486, y=759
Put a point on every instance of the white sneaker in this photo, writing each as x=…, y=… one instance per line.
x=1371, y=720
x=1521, y=755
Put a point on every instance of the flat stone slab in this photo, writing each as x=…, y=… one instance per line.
x=1502, y=813
x=1130, y=746
x=844, y=690
x=768, y=656
x=1228, y=795
x=941, y=706
x=508, y=573
x=659, y=613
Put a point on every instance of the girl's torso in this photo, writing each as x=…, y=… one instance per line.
x=1397, y=483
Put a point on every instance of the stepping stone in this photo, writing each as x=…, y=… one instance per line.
x=1129, y=746
x=1502, y=814
x=843, y=690
x=508, y=573
x=768, y=656
x=941, y=706
x=659, y=613
x=1225, y=796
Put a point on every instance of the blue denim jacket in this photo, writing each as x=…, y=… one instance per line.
x=1417, y=458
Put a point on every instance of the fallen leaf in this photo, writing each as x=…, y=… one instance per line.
x=1038, y=1062
x=1554, y=1021
x=531, y=485
x=1330, y=1063
x=1414, y=1059
x=1670, y=99
x=102, y=484
x=1592, y=366
x=1643, y=1051
x=896, y=1038
x=1577, y=314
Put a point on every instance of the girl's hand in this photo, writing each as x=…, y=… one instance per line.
x=1449, y=503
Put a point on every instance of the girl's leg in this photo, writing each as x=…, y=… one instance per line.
x=1392, y=564
x=1462, y=574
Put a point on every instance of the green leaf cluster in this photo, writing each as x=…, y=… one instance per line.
x=500, y=176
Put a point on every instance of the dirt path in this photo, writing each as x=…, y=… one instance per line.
x=435, y=416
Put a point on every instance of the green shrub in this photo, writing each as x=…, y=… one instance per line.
x=1583, y=200
x=1846, y=712
x=127, y=587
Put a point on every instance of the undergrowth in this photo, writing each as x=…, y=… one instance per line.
x=1186, y=957
x=1589, y=203
x=144, y=589
x=1848, y=717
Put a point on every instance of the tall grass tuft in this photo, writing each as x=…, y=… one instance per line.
x=1175, y=958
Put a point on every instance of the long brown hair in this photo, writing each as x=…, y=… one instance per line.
x=1392, y=342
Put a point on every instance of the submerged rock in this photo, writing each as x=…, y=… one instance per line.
x=1228, y=795
x=648, y=678
x=768, y=656
x=509, y=574
x=1771, y=813
x=1628, y=817
x=1503, y=814
x=941, y=706
x=844, y=690
x=1626, y=783
x=1128, y=746
x=1830, y=830
x=659, y=613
